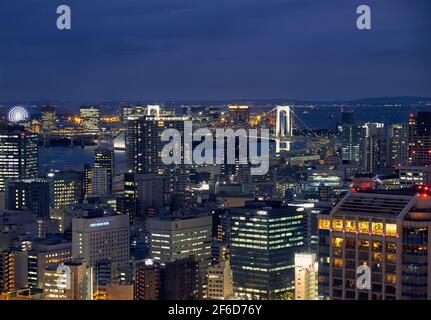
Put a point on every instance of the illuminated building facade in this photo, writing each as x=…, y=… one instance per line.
x=306, y=271
x=18, y=155
x=28, y=194
x=101, y=238
x=387, y=231
x=179, y=237
x=265, y=235
x=90, y=118
x=414, y=176
x=419, y=135
x=66, y=188
x=372, y=148
x=48, y=118
x=176, y=237
x=74, y=284
x=398, y=144
x=42, y=255
x=144, y=147
x=104, y=158
x=220, y=281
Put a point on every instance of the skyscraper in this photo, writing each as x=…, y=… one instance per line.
x=104, y=158
x=18, y=155
x=385, y=231
x=373, y=151
x=144, y=147
x=180, y=237
x=48, y=118
x=350, y=136
x=398, y=144
x=265, y=235
x=90, y=118
x=419, y=135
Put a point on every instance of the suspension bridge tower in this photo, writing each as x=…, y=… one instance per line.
x=283, y=128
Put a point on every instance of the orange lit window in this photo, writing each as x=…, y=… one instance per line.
x=364, y=244
x=391, y=257
x=377, y=246
x=338, y=262
x=391, y=278
x=350, y=226
x=337, y=225
x=364, y=227
x=377, y=228
x=324, y=224
x=337, y=242
x=377, y=256
x=391, y=247
x=391, y=229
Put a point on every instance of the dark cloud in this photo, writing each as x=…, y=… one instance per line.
x=210, y=49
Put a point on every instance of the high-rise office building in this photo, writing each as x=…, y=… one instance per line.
x=350, y=136
x=48, y=118
x=28, y=194
x=373, y=150
x=88, y=180
x=179, y=237
x=101, y=238
x=144, y=149
x=265, y=235
x=306, y=272
x=384, y=232
x=66, y=188
x=398, y=144
x=90, y=118
x=100, y=182
x=18, y=155
x=419, y=135
x=146, y=274
x=176, y=237
x=104, y=158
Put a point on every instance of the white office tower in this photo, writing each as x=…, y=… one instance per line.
x=102, y=239
x=180, y=237
x=306, y=270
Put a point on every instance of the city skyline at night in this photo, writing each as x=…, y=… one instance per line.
x=215, y=159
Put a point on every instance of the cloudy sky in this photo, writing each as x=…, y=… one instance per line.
x=213, y=49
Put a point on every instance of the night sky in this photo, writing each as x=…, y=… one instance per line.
x=213, y=49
